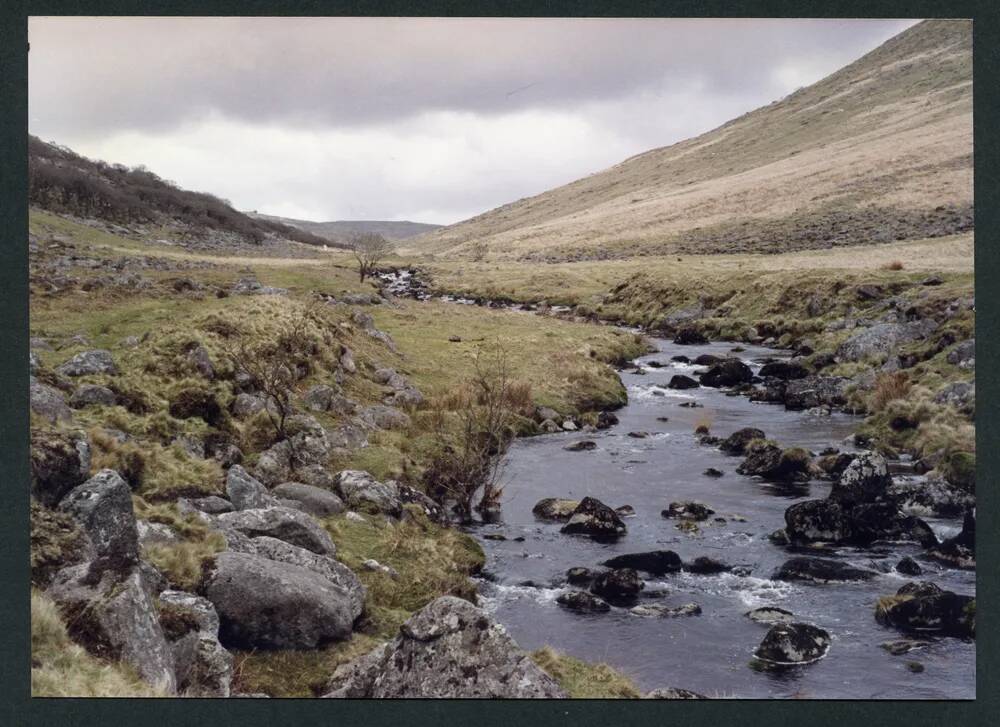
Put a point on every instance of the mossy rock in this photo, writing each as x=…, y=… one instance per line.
x=959, y=469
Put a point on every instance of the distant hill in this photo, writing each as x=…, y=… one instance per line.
x=879, y=151
x=62, y=181
x=339, y=231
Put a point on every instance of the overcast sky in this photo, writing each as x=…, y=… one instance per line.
x=431, y=120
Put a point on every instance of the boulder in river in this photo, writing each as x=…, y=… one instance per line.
x=770, y=615
x=660, y=611
x=579, y=576
x=617, y=584
x=736, y=443
x=655, y=562
x=793, y=643
x=926, y=608
x=909, y=567
x=583, y=602
x=959, y=551
x=704, y=565
x=606, y=420
x=784, y=370
x=680, y=381
x=554, y=508
x=690, y=336
x=820, y=570
x=584, y=445
x=727, y=372
x=768, y=460
x=865, y=479
x=448, y=650
x=688, y=511
x=596, y=520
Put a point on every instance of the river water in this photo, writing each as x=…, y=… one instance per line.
x=709, y=653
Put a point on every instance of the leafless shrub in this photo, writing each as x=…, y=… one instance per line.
x=468, y=462
x=369, y=249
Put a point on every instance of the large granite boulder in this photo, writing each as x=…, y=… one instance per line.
x=815, y=391
x=103, y=507
x=282, y=523
x=315, y=501
x=882, y=338
x=267, y=604
x=245, y=492
x=326, y=566
x=865, y=479
x=92, y=395
x=736, y=443
x=617, y=585
x=114, y=617
x=449, y=649
x=820, y=570
x=191, y=625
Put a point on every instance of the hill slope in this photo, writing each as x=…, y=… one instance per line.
x=62, y=181
x=339, y=231
x=879, y=151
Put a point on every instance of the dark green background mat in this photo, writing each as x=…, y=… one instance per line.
x=16, y=706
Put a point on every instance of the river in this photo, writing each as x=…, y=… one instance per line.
x=709, y=653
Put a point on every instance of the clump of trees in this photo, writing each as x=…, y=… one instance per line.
x=369, y=249
x=62, y=181
x=468, y=463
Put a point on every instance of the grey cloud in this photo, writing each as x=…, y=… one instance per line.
x=92, y=76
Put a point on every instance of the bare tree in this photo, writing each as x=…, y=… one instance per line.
x=275, y=364
x=369, y=248
x=469, y=461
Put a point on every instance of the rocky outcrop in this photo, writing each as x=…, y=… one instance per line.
x=594, y=519
x=308, y=446
x=59, y=462
x=380, y=416
x=103, y=507
x=448, y=649
x=202, y=665
x=654, y=562
x=926, y=608
x=882, y=338
x=816, y=391
x=784, y=370
x=360, y=491
x=264, y=603
x=114, y=617
x=793, y=643
x=48, y=403
x=690, y=336
x=282, y=523
x=86, y=363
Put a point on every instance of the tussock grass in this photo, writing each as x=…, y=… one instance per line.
x=431, y=562
x=584, y=680
x=61, y=668
x=295, y=673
